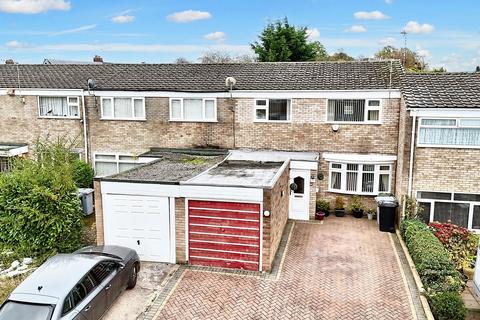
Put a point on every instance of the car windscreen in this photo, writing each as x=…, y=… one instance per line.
x=25, y=311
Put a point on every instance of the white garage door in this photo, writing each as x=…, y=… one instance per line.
x=139, y=222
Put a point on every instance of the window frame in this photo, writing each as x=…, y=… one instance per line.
x=267, y=110
x=68, y=107
x=456, y=126
x=376, y=177
x=132, y=118
x=182, y=112
x=117, y=160
x=472, y=205
x=365, y=113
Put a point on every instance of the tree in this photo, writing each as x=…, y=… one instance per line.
x=439, y=70
x=182, y=60
x=340, y=56
x=281, y=41
x=411, y=60
x=224, y=57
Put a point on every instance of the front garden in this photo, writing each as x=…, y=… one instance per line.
x=40, y=212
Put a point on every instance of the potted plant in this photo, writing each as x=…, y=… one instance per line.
x=323, y=209
x=370, y=213
x=356, y=207
x=339, y=207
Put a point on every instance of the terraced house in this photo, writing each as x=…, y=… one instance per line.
x=206, y=162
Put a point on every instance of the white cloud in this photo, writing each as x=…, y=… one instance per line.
x=79, y=29
x=33, y=6
x=189, y=16
x=356, y=29
x=14, y=44
x=417, y=28
x=389, y=1
x=313, y=34
x=123, y=18
x=389, y=41
x=370, y=15
x=217, y=36
x=424, y=53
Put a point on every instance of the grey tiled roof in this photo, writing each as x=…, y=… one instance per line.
x=442, y=90
x=207, y=77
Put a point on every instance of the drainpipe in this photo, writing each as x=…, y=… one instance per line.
x=412, y=148
x=85, y=135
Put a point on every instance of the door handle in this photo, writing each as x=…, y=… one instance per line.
x=108, y=287
x=88, y=308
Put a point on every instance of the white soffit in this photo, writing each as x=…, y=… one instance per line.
x=359, y=158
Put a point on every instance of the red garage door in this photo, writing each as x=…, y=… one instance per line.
x=224, y=234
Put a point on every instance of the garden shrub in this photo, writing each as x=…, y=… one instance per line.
x=39, y=207
x=82, y=174
x=460, y=243
x=447, y=306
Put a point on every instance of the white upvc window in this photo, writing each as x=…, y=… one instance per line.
x=272, y=110
x=59, y=107
x=357, y=178
x=354, y=111
x=123, y=108
x=193, y=109
x=111, y=163
x=462, y=209
x=449, y=132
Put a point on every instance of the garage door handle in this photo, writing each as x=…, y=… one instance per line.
x=108, y=287
x=88, y=308
x=138, y=242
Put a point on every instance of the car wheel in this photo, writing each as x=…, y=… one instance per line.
x=132, y=280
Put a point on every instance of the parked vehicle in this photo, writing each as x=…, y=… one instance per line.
x=77, y=286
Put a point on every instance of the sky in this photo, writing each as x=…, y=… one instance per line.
x=445, y=33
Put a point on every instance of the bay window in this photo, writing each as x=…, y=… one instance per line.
x=462, y=209
x=193, y=109
x=277, y=110
x=58, y=107
x=123, y=108
x=449, y=132
x=353, y=110
x=356, y=178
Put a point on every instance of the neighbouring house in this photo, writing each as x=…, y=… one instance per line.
x=332, y=128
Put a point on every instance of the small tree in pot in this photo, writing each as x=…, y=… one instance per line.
x=323, y=206
x=370, y=213
x=339, y=207
x=356, y=207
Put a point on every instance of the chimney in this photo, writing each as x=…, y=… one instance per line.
x=478, y=69
x=9, y=61
x=97, y=59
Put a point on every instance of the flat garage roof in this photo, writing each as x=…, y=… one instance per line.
x=241, y=174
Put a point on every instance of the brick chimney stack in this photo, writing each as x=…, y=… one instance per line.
x=9, y=61
x=97, y=59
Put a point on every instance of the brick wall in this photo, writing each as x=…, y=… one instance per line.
x=20, y=122
x=180, y=244
x=99, y=212
x=275, y=200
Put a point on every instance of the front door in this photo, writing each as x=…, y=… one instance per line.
x=300, y=194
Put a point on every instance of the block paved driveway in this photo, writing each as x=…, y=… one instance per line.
x=342, y=269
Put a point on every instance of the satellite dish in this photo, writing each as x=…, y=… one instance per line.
x=230, y=82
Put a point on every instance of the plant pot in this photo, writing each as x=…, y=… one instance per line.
x=319, y=215
x=469, y=272
x=357, y=213
x=327, y=213
x=370, y=216
x=340, y=212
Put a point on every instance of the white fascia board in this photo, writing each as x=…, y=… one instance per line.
x=141, y=189
x=222, y=193
x=285, y=94
x=305, y=165
x=14, y=152
x=359, y=158
x=450, y=113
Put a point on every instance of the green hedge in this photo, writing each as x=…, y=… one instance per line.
x=435, y=268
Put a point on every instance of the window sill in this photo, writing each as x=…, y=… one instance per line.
x=193, y=121
x=355, y=122
x=272, y=121
x=373, y=194
x=59, y=118
x=123, y=119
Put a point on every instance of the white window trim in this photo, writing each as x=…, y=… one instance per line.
x=376, y=178
x=133, y=118
x=452, y=197
x=68, y=105
x=266, y=107
x=367, y=108
x=117, y=160
x=445, y=146
x=181, y=119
